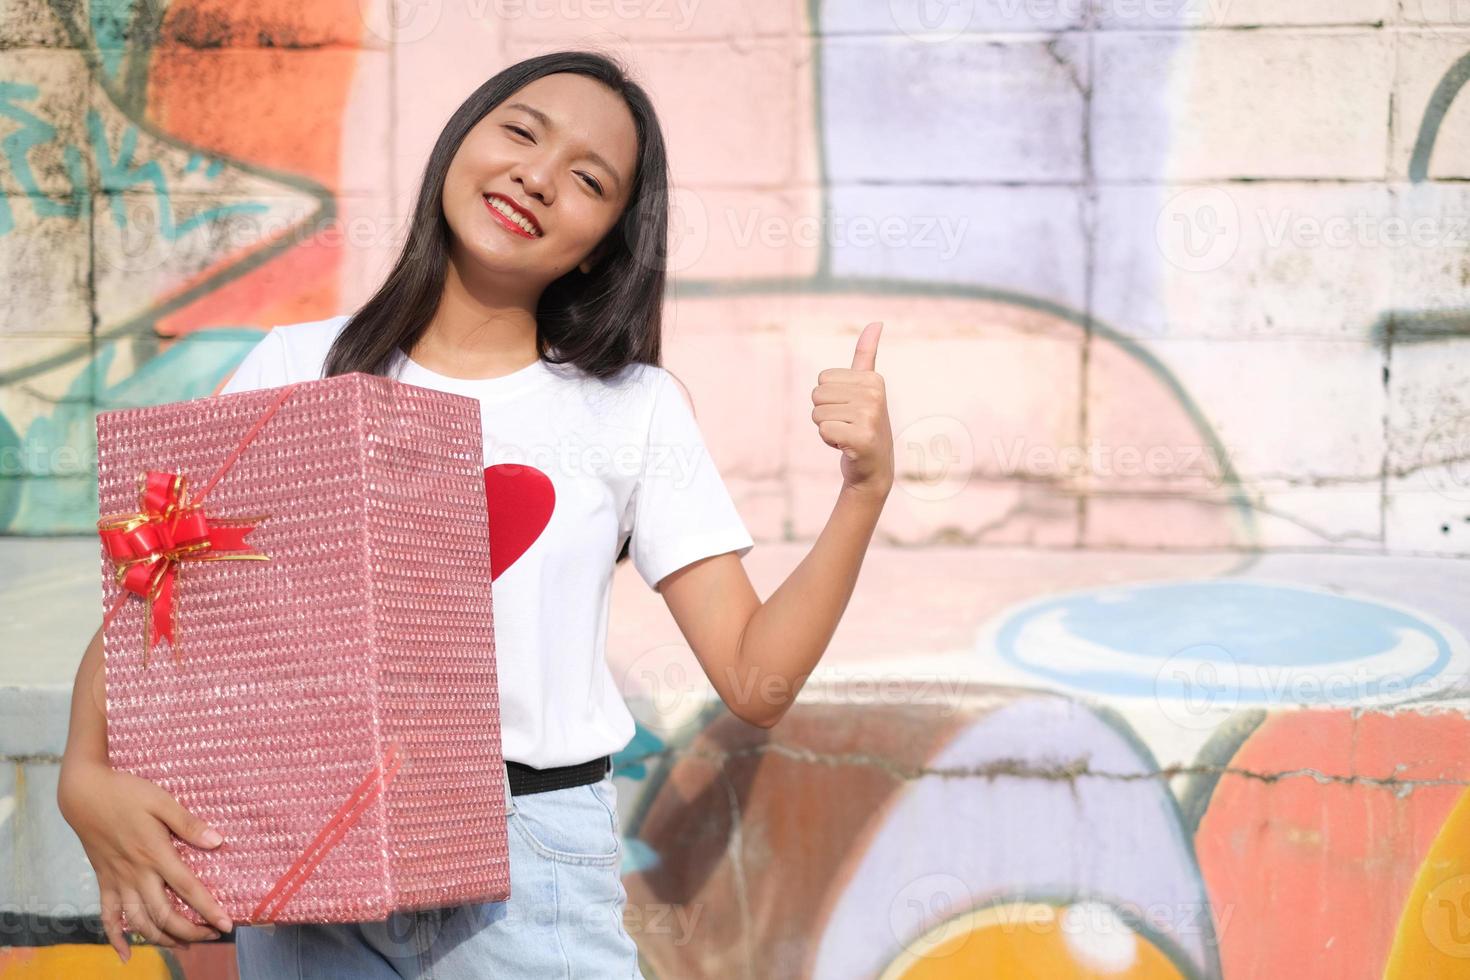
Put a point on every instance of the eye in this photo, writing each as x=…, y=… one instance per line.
x=590, y=181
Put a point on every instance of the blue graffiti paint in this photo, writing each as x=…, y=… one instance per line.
x=48, y=500
x=120, y=173
x=116, y=173
x=17, y=146
x=1259, y=641
x=191, y=367
x=629, y=760
x=637, y=856
x=111, y=22
x=10, y=448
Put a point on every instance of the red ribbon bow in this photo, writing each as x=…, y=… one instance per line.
x=148, y=546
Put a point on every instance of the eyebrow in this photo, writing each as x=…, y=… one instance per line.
x=547, y=122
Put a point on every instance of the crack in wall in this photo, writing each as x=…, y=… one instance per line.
x=1066, y=770
x=1087, y=211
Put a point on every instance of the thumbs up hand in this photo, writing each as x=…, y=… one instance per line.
x=851, y=414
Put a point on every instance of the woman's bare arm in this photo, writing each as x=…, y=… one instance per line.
x=87, y=738
x=124, y=823
x=758, y=655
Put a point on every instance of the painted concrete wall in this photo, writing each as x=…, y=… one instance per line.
x=1157, y=665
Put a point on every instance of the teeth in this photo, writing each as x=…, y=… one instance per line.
x=505, y=209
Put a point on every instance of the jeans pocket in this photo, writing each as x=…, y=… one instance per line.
x=575, y=825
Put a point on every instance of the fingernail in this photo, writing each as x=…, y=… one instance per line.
x=213, y=838
x=225, y=925
x=213, y=934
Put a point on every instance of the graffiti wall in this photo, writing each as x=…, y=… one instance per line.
x=1158, y=664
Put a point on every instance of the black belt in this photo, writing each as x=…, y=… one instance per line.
x=525, y=779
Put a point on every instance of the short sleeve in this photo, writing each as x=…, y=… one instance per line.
x=682, y=511
x=264, y=366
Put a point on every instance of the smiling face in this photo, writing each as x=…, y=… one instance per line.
x=538, y=182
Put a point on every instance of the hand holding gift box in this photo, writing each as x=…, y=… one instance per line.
x=328, y=700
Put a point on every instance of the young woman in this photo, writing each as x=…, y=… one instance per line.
x=531, y=279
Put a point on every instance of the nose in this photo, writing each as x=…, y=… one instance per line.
x=532, y=176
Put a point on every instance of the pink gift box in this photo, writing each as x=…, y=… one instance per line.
x=328, y=700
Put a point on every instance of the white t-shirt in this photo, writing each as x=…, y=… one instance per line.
x=617, y=459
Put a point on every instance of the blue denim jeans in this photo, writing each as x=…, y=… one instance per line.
x=564, y=917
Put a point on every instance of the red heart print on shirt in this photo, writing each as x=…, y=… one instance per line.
x=519, y=499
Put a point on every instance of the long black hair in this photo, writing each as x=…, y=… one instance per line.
x=601, y=320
